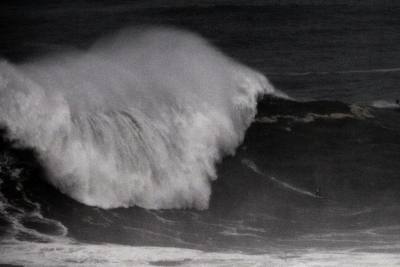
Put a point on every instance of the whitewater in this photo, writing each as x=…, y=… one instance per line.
x=139, y=119
x=145, y=133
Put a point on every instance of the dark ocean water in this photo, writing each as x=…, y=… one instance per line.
x=145, y=134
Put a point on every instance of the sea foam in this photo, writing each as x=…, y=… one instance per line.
x=140, y=118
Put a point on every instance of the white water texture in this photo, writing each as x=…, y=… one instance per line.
x=141, y=118
x=106, y=255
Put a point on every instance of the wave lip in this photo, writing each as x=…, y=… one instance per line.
x=139, y=119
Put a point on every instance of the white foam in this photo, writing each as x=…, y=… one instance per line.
x=139, y=119
x=385, y=104
x=74, y=254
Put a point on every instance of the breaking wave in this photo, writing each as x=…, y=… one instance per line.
x=140, y=118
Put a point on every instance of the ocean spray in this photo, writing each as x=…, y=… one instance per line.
x=140, y=118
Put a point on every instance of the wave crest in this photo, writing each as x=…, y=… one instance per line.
x=139, y=119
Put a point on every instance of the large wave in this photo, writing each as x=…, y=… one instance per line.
x=141, y=118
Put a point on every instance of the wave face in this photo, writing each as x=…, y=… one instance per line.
x=141, y=118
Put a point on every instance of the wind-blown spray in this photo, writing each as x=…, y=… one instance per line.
x=141, y=118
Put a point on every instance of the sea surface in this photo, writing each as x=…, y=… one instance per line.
x=199, y=133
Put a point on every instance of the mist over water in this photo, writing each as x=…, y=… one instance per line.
x=141, y=118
